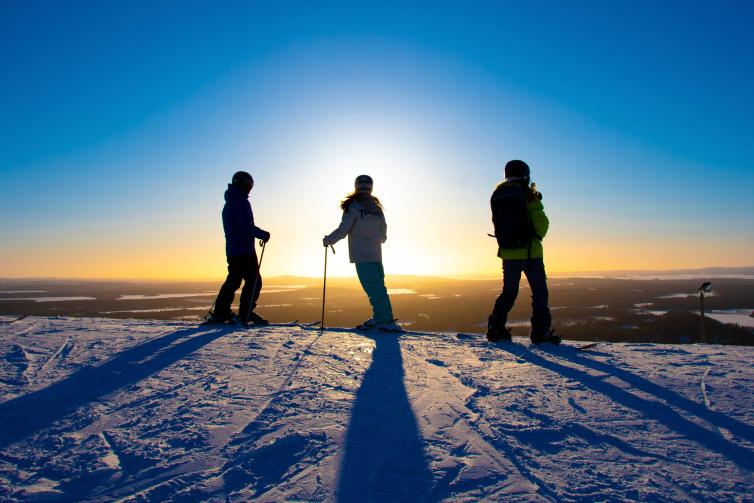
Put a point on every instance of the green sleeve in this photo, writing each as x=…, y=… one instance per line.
x=538, y=218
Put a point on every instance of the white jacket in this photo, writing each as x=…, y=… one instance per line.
x=366, y=232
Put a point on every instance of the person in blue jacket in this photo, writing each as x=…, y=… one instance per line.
x=240, y=233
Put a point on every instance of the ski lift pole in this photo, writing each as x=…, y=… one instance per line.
x=703, y=337
x=256, y=279
x=324, y=289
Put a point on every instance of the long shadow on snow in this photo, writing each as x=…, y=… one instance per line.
x=384, y=458
x=653, y=409
x=720, y=420
x=30, y=413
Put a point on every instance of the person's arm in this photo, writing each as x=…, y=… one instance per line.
x=259, y=233
x=343, y=229
x=539, y=220
x=383, y=229
x=255, y=231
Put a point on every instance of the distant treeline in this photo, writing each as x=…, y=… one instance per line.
x=671, y=328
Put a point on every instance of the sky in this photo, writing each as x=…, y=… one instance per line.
x=122, y=123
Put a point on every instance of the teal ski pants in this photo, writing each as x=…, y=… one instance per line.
x=372, y=278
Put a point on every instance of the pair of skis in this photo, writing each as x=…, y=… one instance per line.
x=355, y=329
x=585, y=347
x=231, y=324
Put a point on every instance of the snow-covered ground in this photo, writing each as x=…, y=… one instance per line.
x=98, y=409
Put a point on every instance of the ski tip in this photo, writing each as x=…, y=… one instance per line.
x=9, y=322
x=587, y=347
x=292, y=323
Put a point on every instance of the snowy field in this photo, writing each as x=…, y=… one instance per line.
x=136, y=410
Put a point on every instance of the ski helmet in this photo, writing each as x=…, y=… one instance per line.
x=516, y=169
x=363, y=183
x=242, y=178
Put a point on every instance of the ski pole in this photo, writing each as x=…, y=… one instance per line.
x=324, y=290
x=256, y=280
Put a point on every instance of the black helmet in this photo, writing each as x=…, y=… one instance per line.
x=363, y=183
x=517, y=169
x=241, y=178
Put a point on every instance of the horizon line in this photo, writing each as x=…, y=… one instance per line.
x=474, y=276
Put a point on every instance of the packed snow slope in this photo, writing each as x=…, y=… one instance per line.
x=101, y=410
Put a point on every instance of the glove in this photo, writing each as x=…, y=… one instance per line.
x=265, y=237
x=326, y=242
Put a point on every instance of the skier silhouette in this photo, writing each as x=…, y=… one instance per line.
x=520, y=225
x=364, y=223
x=240, y=233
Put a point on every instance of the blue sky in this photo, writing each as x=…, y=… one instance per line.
x=123, y=121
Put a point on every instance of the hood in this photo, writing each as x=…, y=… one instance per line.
x=518, y=182
x=235, y=193
x=367, y=202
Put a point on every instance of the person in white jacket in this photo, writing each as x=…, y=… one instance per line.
x=364, y=224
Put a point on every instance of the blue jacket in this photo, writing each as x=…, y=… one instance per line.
x=238, y=223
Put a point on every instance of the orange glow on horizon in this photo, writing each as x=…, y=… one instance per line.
x=206, y=261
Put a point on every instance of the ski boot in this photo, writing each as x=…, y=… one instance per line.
x=549, y=337
x=497, y=332
x=256, y=321
x=368, y=325
x=214, y=319
x=389, y=326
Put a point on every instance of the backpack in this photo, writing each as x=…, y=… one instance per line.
x=510, y=216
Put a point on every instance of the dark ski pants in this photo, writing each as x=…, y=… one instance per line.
x=535, y=274
x=242, y=267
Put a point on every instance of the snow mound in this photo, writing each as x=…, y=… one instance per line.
x=98, y=409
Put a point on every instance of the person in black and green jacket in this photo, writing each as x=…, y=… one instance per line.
x=525, y=256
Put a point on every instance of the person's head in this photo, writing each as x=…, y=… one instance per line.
x=243, y=181
x=517, y=169
x=362, y=189
x=363, y=183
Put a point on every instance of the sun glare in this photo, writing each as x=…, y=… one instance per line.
x=333, y=158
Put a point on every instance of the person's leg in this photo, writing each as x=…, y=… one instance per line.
x=372, y=278
x=228, y=290
x=255, y=317
x=382, y=305
x=362, y=272
x=540, y=319
x=250, y=270
x=504, y=303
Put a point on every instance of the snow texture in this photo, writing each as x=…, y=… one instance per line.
x=135, y=410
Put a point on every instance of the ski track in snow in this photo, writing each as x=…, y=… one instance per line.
x=137, y=410
x=61, y=352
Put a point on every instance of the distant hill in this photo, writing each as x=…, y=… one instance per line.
x=706, y=272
